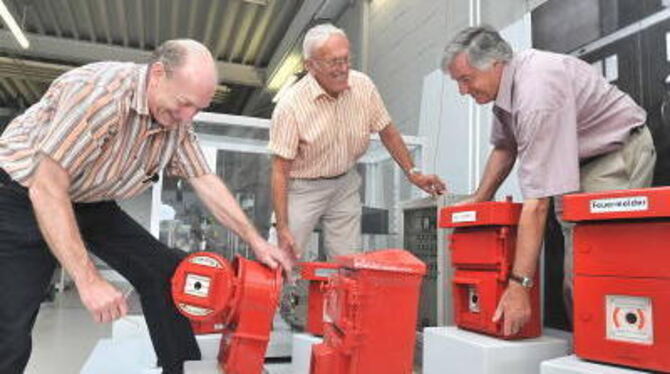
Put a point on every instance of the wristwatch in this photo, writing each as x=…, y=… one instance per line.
x=414, y=170
x=525, y=282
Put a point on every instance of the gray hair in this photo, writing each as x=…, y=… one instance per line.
x=173, y=53
x=483, y=46
x=317, y=36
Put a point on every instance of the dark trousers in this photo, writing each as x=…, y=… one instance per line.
x=27, y=266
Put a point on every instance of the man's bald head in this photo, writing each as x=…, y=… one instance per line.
x=182, y=81
x=176, y=54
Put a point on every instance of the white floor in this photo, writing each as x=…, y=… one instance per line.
x=64, y=336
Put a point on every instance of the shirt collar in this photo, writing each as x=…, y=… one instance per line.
x=140, y=101
x=314, y=88
x=504, y=98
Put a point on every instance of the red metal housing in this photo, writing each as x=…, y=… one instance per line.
x=482, y=248
x=238, y=300
x=371, y=311
x=622, y=283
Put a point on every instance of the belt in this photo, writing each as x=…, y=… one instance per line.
x=324, y=178
x=635, y=130
x=334, y=176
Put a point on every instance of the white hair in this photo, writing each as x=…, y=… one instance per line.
x=317, y=36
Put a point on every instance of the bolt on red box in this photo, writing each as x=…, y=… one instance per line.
x=622, y=276
x=482, y=248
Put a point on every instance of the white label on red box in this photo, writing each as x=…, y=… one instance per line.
x=197, y=285
x=620, y=204
x=630, y=319
x=467, y=216
x=325, y=272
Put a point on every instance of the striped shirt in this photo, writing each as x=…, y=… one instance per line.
x=323, y=135
x=94, y=121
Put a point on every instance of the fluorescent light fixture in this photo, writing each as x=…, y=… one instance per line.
x=257, y=2
x=13, y=26
x=287, y=84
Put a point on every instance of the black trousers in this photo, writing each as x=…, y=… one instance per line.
x=27, y=266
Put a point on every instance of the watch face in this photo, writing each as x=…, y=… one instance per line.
x=523, y=281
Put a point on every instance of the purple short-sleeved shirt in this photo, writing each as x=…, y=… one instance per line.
x=556, y=110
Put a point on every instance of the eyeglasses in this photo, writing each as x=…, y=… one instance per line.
x=334, y=62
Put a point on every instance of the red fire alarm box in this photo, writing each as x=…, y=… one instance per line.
x=371, y=311
x=238, y=299
x=482, y=249
x=622, y=276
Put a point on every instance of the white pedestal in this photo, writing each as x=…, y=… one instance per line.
x=129, y=326
x=202, y=367
x=301, y=356
x=452, y=350
x=279, y=344
x=573, y=365
x=209, y=346
x=131, y=355
x=212, y=367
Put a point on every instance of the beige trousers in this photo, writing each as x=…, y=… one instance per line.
x=336, y=203
x=632, y=166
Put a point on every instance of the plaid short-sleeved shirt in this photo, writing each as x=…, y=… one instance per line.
x=95, y=122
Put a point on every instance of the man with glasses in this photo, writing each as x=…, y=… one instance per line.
x=319, y=130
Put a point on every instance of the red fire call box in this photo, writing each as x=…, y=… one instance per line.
x=239, y=300
x=371, y=310
x=482, y=249
x=622, y=276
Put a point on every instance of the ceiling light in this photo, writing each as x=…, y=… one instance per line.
x=257, y=2
x=282, y=91
x=13, y=26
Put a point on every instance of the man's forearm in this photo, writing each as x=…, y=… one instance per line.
x=280, y=197
x=498, y=167
x=529, y=236
x=56, y=220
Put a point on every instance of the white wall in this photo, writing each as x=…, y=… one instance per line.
x=406, y=39
x=405, y=42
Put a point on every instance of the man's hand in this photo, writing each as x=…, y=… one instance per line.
x=474, y=198
x=286, y=242
x=514, y=309
x=430, y=183
x=272, y=256
x=103, y=301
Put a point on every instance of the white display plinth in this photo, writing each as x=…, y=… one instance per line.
x=130, y=355
x=452, y=350
x=212, y=367
x=129, y=326
x=573, y=365
x=202, y=367
x=209, y=346
x=301, y=356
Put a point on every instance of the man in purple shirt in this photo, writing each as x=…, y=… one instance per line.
x=570, y=130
